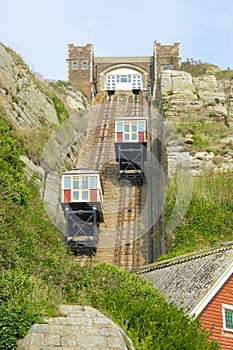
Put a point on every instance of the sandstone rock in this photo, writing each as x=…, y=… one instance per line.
x=25, y=104
x=188, y=140
x=200, y=155
x=207, y=83
x=227, y=141
x=173, y=81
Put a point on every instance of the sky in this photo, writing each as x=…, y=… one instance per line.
x=40, y=30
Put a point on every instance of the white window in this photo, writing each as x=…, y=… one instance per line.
x=119, y=127
x=110, y=79
x=80, y=188
x=93, y=182
x=141, y=126
x=67, y=182
x=130, y=131
x=74, y=65
x=227, y=316
x=84, y=65
x=137, y=81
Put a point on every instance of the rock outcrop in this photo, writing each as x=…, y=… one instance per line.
x=24, y=102
x=204, y=95
x=205, y=100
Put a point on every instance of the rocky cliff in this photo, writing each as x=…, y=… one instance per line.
x=201, y=110
x=20, y=93
x=38, y=110
x=33, y=106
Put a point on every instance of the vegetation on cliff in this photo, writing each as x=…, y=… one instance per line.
x=208, y=220
x=37, y=273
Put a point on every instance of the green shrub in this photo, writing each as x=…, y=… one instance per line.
x=60, y=109
x=21, y=296
x=137, y=307
x=194, y=67
x=12, y=179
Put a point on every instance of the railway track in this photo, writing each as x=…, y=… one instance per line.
x=120, y=234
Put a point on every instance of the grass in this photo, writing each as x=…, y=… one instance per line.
x=208, y=220
x=206, y=134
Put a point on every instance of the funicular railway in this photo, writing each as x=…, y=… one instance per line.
x=116, y=233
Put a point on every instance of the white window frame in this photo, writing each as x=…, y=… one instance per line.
x=84, y=65
x=224, y=308
x=74, y=65
x=80, y=190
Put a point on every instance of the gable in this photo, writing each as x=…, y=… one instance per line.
x=217, y=316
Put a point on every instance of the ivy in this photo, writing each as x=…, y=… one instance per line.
x=12, y=177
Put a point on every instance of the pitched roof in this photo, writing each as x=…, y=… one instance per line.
x=190, y=281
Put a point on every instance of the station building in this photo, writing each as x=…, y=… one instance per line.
x=92, y=74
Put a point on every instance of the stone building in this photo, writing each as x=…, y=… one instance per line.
x=92, y=74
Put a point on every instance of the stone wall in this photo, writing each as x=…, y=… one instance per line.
x=77, y=328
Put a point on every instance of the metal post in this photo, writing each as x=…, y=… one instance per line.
x=151, y=243
x=142, y=161
x=150, y=79
x=119, y=161
x=96, y=77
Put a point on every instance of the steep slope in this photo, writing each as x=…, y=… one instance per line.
x=36, y=273
x=20, y=94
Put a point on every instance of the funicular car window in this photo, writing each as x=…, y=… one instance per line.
x=85, y=182
x=75, y=183
x=134, y=127
x=75, y=195
x=93, y=182
x=84, y=195
x=67, y=182
x=141, y=126
x=126, y=127
x=119, y=127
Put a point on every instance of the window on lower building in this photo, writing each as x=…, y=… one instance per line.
x=228, y=318
x=227, y=313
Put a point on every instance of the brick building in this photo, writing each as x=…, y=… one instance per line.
x=202, y=284
x=92, y=74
